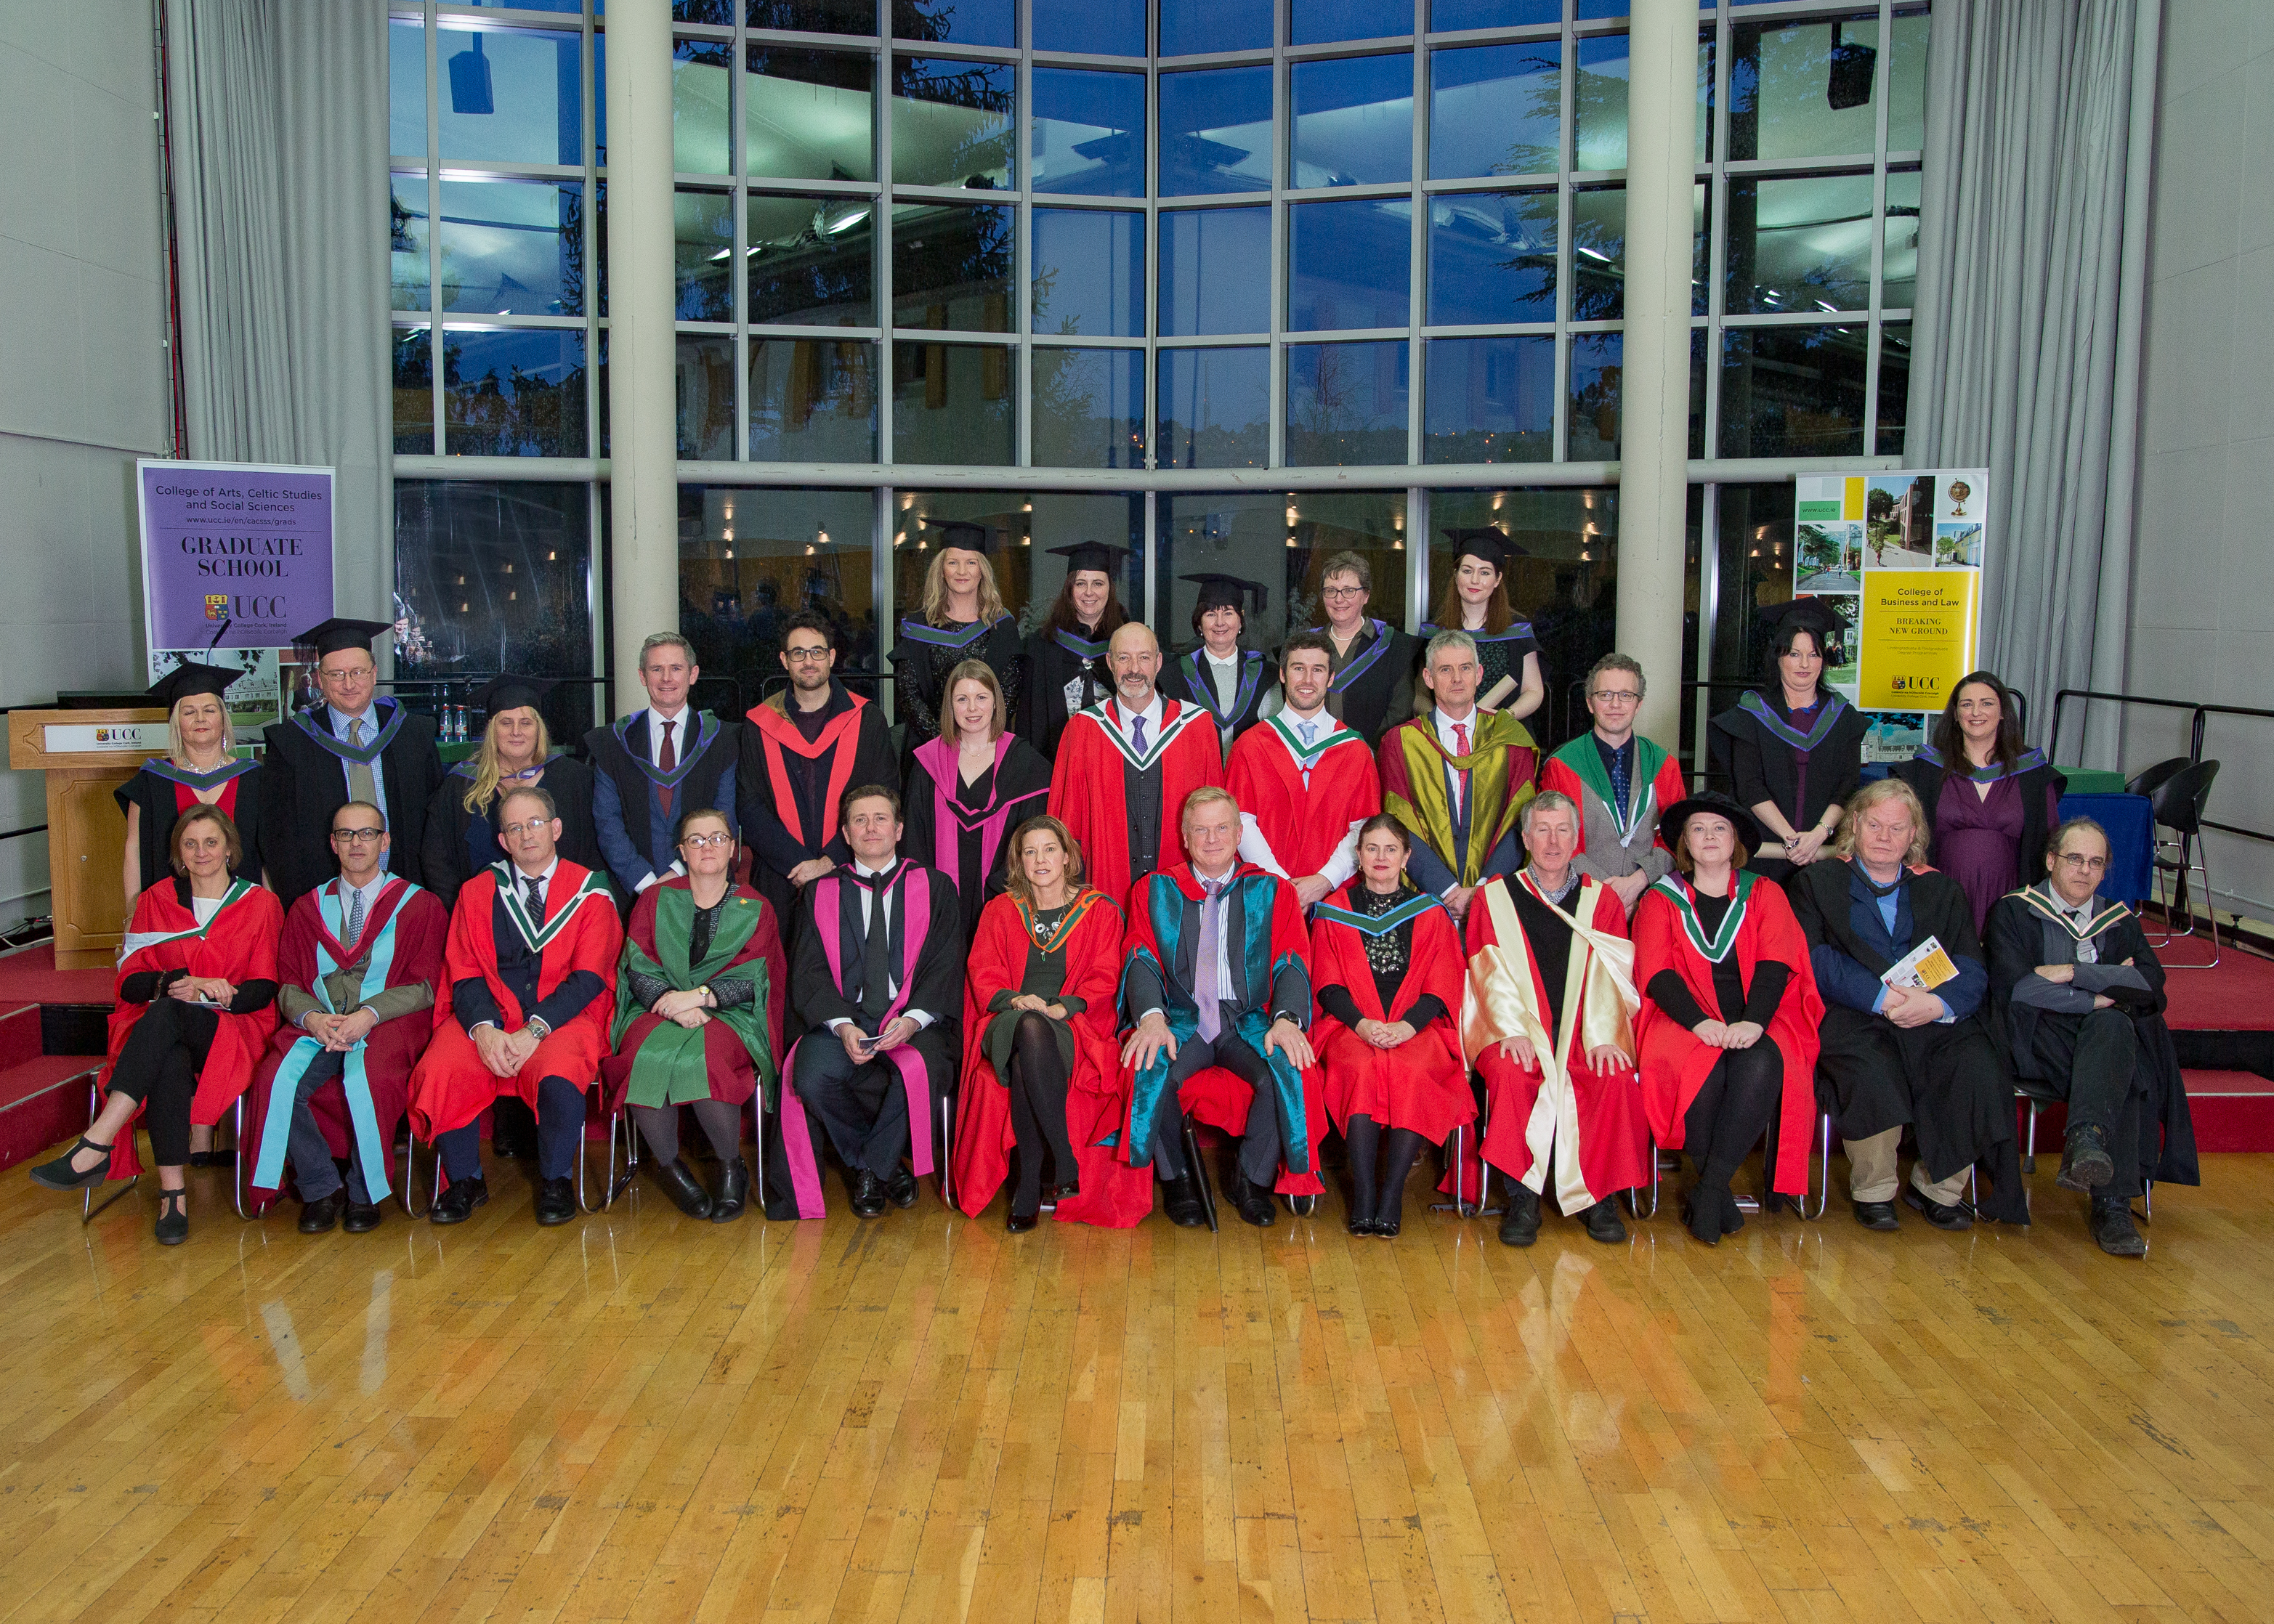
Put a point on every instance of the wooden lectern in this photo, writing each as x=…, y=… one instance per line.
x=85, y=754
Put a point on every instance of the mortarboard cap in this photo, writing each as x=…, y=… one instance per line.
x=1221, y=591
x=1810, y=614
x=1100, y=555
x=1487, y=542
x=337, y=635
x=962, y=533
x=509, y=692
x=191, y=677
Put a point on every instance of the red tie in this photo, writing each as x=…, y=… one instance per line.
x=669, y=759
x=1461, y=743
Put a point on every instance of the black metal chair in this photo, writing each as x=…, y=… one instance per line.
x=2148, y=780
x=2178, y=805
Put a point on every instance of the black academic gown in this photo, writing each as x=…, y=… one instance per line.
x=2019, y=938
x=303, y=782
x=1373, y=688
x=160, y=801
x=1007, y=795
x=1948, y=1082
x=1188, y=676
x=460, y=844
x=923, y=654
x=1065, y=672
x=782, y=793
x=1763, y=760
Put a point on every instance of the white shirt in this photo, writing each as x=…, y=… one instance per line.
x=655, y=721
x=923, y=1018
x=1343, y=862
x=1150, y=715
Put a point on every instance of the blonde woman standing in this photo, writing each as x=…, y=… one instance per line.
x=198, y=769
x=516, y=753
x=963, y=618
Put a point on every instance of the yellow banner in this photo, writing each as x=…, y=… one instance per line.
x=1918, y=636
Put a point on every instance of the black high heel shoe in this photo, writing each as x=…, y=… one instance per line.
x=173, y=1217
x=60, y=1175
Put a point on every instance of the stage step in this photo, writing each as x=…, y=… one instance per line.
x=19, y=1034
x=42, y=1100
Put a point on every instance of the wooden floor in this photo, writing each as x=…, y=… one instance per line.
x=641, y=1418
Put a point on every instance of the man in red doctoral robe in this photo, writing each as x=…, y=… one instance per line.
x=1303, y=780
x=1125, y=768
x=356, y=967
x=529, y=986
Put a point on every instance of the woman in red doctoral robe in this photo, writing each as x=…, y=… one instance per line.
x=1042, y=1072
x=1727, y=1032
x=196, y=1002
x=1388, y=963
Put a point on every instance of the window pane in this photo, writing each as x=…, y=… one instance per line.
x=513, y=247
x=1793, y=94
x=1089, y=408
x=1283, y=539
x=750, y=559
x=1189, y=27
x=1894, y=386
x=952, y=267
x=807, y=114
x=1599, y=103
x=1316, y=22
x=1447, y=15
x=1495, y=109
x=497, y=576
x=1346, y=404
x=1492, y=258
x=1209, y=260
x=1701, y=248
x=1599, y=253
x=414, y=391
x=1702, y=146
x=406, y=241
x=952, y=405
x=1353, y=121
x=516, y=393
x=1215, y=407
x=1907, y=83
x=813, y=400
x=511, y=95
x=1089, y=133
x=1793, y=391
x=1490, y=400
x=813, y=16
x=1346, y=264
x=1800, y=245
x=406, y=86
x=1216, y=131
x=702, y=250
x=1898, y=262
x=966, y=22
x=952, y=124
x=1007, y=513
x=719, y=13
x=702, y=83
x=706, y=397
x=811, y=260
x=1698, y=365
x=1088, y=267
x=1594, y=431
x=1100, y=28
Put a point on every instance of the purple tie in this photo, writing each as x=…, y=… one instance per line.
x=1205, y=993
x=1137, y=732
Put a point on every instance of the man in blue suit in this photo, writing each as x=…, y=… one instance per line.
x=651, y=766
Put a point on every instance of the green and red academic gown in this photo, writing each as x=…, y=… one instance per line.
x=1759, y=926
x=1114, y=1194
x=1097, y=776
x=1272, y=938
x=1578, y=771
x=1423, y=1084
x=1499, y=764
x=238, y=945
x=1305, y=802
x=580, y=931
x=659, y=1061
x=403, y=936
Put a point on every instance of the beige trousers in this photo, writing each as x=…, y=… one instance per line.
x=1872, y=1172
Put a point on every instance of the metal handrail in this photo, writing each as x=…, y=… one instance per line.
x=2199, y=715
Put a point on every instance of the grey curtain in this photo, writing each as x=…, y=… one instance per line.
x=2027, y=337
x=279, y=111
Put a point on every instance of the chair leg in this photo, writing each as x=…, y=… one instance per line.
x=1634, y=1196
x=1460, y=1205
x=237, y=1190
x=406, y=1193
x=943, y=1149
x=2030, y=1144
x=1823, y=1163
x=88, y=1206
x=758, y=1126
x=1199, y=1170
x=2148, y=1200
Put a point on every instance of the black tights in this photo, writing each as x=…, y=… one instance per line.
x=1039, y=1090
x=1732, y=1111
x=721, y=1124
x=1387, y=1198
x=159, y=1066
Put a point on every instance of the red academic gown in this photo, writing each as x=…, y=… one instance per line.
x=413, y=953
x=1613, y=1131
x=1114, y=1194
x=238, y=944
x=1304, y=802
x=451, y=1086
x=726, y=1062
x=1213, y=1095
x=1423, y=1084
x=1674, y=1065
x=1087, y=793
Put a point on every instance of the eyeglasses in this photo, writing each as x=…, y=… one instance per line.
x=704, y=843
x=535, y=824
x=360, y=674
x=1343, y=591
x=806, y=655
x=2073, y=859
x=358, y=837
x=1616, y=697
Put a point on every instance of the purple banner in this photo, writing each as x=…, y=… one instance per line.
x=234, y=551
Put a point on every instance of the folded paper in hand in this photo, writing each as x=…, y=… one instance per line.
x=1925, y=966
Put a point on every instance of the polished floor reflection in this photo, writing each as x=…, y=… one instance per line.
x=643, y=1418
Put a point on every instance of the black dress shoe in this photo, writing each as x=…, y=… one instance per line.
x=322, y=1215
x=60, y=1175
x=2086, y=1164
x=1876, y=1214
x=1019, y=1223
x=900, y=1189
x=734, y=1191
x=1361, y=1223
x=457, y=1201
x=174, y=1218
x=2115, y=1232
x=1052, y=1195
x=1388, y=1224
x=362, y=1219
x=1732, y=1218
x=556, y=1200
x=1181, y=1198
x=1255, y=1206
x=213, y=1158
x=1958, y=1216
x=868, y=1196
x=687, y=1195
x=1603, y=1223
x=1519, y=1225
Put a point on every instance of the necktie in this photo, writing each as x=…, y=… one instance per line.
x=664, y=762
x=1137, y=733
x=534, y=886
x=355, y=919
x=1461, y=745
x=359, y=783
x=1305, y=728
x=876, y=964
x=1206, y=993
x=1621, y=777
